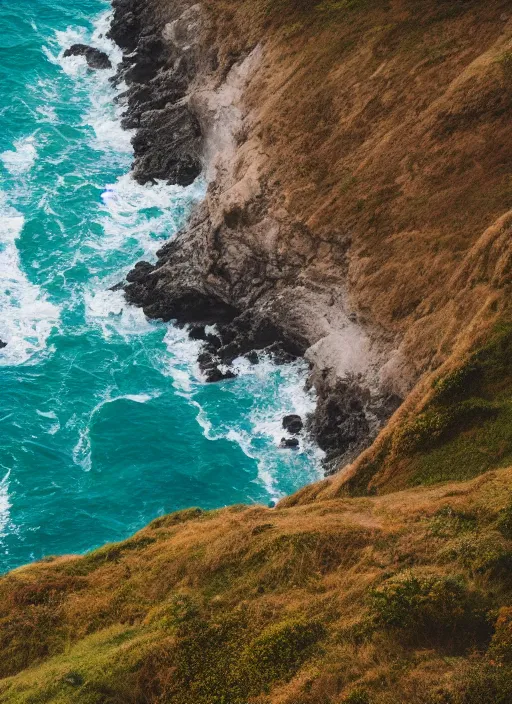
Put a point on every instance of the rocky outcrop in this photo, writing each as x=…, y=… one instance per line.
x=293, y=424
x=347, y=414
x=95, y=58
x=167, y=143
x=241, y=263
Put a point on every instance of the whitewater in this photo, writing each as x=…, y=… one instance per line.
x=105, y=419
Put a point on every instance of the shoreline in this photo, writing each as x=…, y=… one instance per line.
x=226, y=268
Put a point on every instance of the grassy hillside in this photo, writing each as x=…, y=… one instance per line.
x=401, y=598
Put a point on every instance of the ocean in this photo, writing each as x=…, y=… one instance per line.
x=105, y=420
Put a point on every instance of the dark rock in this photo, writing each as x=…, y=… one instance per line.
x=168, y=146
x=168, y=141
x=280, y=355
x=117, y=287
x=206, y=360
x=214, y=374
x=253, y=357
x=95, y=58
x=293, y=424
x=340, y=425
x=289, y=443
x=2, y=344
x=197, y=332
x=140, y=272
x=126, y=24
x=213, y=342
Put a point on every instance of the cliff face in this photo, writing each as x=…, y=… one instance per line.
x=357, y=159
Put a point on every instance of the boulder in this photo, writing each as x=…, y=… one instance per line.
x=95, y=58
x=289, y=443
x=293, y=424
x=214, y=374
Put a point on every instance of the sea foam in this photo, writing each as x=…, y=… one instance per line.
x=26, y=316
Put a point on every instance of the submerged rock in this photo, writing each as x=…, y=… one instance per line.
x=2, y=344
x=293, y=424
x=95, y=58
x=289, y=443
x=215, y=374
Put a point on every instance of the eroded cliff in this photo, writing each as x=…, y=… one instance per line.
x=357, y=210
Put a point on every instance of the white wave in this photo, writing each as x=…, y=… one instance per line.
x=275, y=391
x=26, y=317
x=109, y=310
x=142, y=215
x=22, y=158
x=103, y=115
x=82, y=450
x=182, y=365
x=47, y=414
x=5, y=504
x=47, y=113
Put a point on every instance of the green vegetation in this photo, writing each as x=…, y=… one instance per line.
x=431, y=609
x=363, y=601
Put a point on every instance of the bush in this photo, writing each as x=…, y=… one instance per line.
x=279, y=651
x=484, y=683
x=458, y=383
x=430, y=609
x=504, y=522
x=449, y=522
x=501, y=644
x=438, y=424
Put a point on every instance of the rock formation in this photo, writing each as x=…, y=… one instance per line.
x=227, y=267
x=325, y=230
x=95, y=58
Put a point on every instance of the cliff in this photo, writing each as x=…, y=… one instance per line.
x=357, y=210
x=357, y=156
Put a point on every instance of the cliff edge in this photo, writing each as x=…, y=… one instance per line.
x=358, y=190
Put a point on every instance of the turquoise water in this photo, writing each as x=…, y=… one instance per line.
x=105, y=421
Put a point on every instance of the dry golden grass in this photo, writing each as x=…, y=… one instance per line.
x=388, y=599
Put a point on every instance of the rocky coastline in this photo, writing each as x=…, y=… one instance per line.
x=228, y=267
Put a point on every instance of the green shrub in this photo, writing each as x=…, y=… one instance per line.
x=501, y=644
x=437, y=424
x=430, y=609
x=483, y=683
x=279, y=651
x=459, y=383
x=504, y=522
x=448, y=522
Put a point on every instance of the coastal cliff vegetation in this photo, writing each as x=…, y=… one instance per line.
x=375, y=600
x=387, y=135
